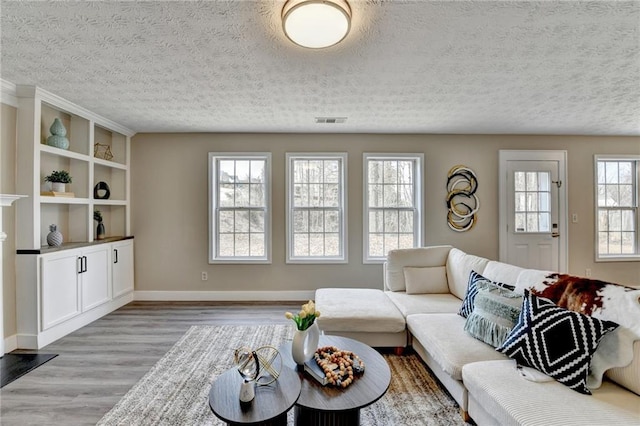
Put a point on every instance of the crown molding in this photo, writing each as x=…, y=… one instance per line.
x=8, y=94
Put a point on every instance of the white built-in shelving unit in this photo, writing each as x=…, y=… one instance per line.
x=60, y=289
x=73, y=216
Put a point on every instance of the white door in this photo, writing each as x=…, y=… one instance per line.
x=122, y=265
x=533, y=224
x=96, y=277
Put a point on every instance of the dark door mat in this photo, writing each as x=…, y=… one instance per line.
x=14, y=366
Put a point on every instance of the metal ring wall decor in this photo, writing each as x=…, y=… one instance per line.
x=462, y=201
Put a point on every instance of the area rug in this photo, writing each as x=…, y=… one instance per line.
x=176, y=390
x=14, y=366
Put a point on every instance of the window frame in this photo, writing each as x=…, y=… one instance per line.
x=214, y=236
x=618, y=257
x=418, y=197
x=342, y=209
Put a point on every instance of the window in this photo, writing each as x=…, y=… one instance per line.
x=316, y=212
x=240, y=208
x=392, y=204
x=617, y=208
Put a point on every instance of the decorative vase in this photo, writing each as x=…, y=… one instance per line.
x=54, y=238
x=101, y=191
x=305, y=343
x=100, y=231
x=58, y=186
x=58, y=136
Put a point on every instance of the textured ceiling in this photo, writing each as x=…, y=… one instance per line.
x=522, y=67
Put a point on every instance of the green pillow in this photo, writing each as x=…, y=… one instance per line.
x=494, y=314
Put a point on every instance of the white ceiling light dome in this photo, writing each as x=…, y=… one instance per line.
x=316, y=23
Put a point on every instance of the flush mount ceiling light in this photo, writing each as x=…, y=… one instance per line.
x=316, y=23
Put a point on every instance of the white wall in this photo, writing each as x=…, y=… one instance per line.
x=169, y=205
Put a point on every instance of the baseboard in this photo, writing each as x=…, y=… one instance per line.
x=223, y=296
x=10, y=343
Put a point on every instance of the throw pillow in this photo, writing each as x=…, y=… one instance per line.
x=605, y=301
x=426, y=280
x=555, y=341
x=495, y=313
x=476, y=281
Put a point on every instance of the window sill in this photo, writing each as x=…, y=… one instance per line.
x=239, y=262
x=629, y=258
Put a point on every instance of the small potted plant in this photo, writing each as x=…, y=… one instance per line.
x=58, y=180
x=100, y=233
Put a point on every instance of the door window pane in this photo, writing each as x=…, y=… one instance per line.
x=532, y=200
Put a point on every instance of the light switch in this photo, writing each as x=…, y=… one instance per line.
x=574, y=218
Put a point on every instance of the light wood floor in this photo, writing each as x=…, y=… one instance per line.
x=99, y=363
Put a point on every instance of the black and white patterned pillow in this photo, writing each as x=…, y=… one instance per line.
x=555, y=341
x=476, y=281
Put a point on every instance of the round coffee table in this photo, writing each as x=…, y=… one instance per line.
x=328, y=405
x=268, y=408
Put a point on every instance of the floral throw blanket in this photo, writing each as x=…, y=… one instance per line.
x=603, y=300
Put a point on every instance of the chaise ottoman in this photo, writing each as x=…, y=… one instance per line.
x=366, y=315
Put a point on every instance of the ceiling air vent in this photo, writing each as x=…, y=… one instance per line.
x=330, y=120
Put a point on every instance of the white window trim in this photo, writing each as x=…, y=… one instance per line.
x=213, y=183
x=615, y=257
x=344, y=258
x=418, y=178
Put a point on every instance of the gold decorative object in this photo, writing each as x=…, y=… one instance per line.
x=102, y=151
x=462, y=200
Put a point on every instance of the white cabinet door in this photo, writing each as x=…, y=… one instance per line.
x=96, y=276
x=60, y=292
x=122, y=265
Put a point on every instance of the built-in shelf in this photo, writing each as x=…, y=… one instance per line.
x=91, y=139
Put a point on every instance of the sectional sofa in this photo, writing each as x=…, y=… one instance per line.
x=424, y=289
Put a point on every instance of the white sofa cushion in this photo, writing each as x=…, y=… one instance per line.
x=510, y=399
x=448, y=344
x=628, y=376
x=459, y=266
x=357, y=310
x=531, y=278
x=416, y=257
x=502, y=272
x=410, y=304
x=429, y=279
